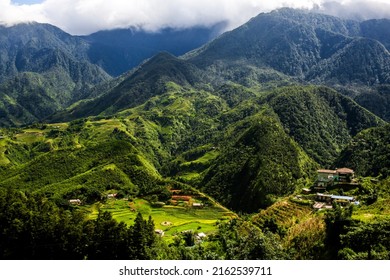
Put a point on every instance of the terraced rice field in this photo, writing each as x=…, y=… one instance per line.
x=286, y=213
x=171, y=219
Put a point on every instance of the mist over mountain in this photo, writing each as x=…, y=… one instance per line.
x=295, y=42
x=117, y=51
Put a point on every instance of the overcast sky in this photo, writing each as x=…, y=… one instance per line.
x=87, y=16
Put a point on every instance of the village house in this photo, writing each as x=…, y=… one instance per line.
x=199, y=237
x=159, y=232
x=345, y=175
x=325, y=200
x=197, y=205
x=75, y=201
x=327, y=178
x=343, y=200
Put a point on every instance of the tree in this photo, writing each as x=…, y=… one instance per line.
x=141, y=238
x=336, y=222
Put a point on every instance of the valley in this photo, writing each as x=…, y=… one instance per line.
x=220, y=147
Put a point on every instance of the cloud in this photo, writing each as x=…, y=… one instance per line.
x=359, y=10
x=87, y=16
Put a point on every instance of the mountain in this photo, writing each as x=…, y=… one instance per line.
x=120, y=50
x=258, y=162
x=368, y=152
x=243, y=147
x=304, y=47
x=377, y=100
x=321, y=120
x=138, y=86
x=42, y=70
x=280, y=48
x=308, y=46
x=377, y=29
x=27, y=47
x=244, y=121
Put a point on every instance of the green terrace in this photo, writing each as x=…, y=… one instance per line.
x=171, y=219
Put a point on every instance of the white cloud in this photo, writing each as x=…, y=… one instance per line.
x=361, y=10
x=86, y=16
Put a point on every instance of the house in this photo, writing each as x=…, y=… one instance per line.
x=197, y=205
x=199, y=237
x=343, y=200
x=175, y=191
x=159, y=232
x=327, y=178
x=306, y=190
x=75, y=201
x=345, y=174
x=330, y=198
x=327, y=198
x=112, y=195
x=326, y=175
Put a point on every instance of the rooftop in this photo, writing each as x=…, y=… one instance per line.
x=327, y=171
x=342, y=197
x=345, y=170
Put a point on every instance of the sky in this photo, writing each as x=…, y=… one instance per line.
x=80, y=17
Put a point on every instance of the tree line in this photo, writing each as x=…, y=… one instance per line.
x=34, y=227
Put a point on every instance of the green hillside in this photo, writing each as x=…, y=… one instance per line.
x=236, y=142
x=42, y=70
x=241, y=124
x=321, y=120
x=368, y=153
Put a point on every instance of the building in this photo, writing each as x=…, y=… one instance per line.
x=306, y=190
x=345, y=175
x=323, y=199
x=327, y=178
x=197, y=205
x=342, y=200
x=75, y=201
x=112, y=195
x=327, y=198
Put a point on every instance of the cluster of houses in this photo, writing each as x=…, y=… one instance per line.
x=332, y=178
x=198, y=237
x=77, y=201
x=187, y=199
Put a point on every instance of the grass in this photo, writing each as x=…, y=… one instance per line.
x=31, y=136
x=189, y=176
x=285, y=212
x=205, y=159
x=3, y=159
x=379, y=209
x=171, y=219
